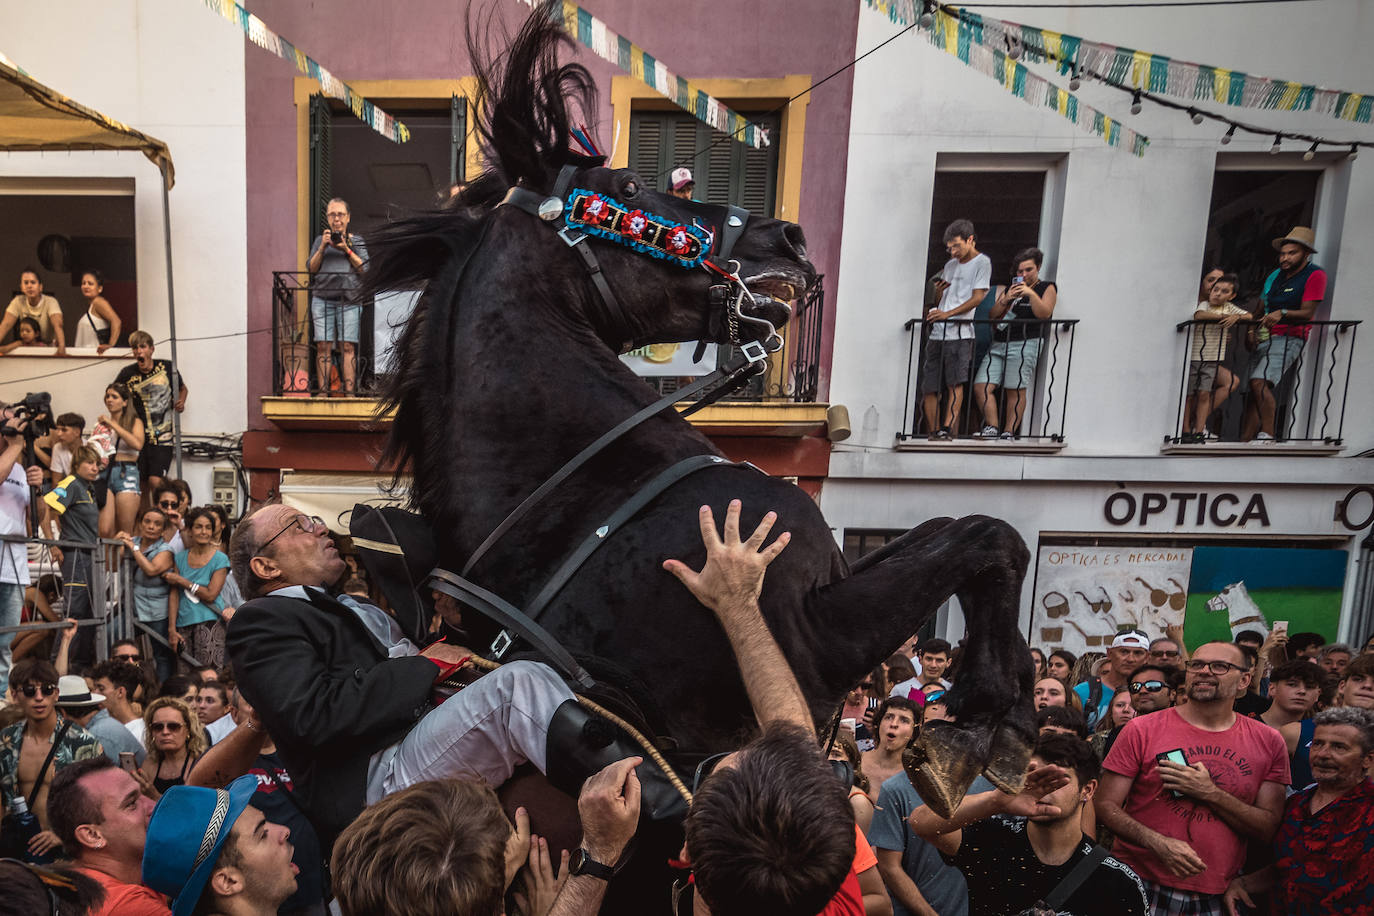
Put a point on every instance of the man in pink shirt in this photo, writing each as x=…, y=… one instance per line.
x=1186, y=788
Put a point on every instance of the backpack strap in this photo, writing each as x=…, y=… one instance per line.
x=1075, y=878
x=47, y=761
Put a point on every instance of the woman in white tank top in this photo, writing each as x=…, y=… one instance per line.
x=100, y=316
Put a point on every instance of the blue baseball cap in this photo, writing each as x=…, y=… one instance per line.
x=187, y=830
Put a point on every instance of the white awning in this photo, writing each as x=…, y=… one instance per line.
x=333, y=496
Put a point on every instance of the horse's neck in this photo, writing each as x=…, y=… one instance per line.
x=533, y=385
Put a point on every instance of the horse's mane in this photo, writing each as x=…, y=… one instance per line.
x=523, y=110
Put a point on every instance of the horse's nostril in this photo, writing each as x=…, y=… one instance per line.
x=796, y=239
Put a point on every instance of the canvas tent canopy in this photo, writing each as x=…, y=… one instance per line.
x=35, y=117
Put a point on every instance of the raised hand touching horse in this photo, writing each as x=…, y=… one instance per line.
x=730, y=584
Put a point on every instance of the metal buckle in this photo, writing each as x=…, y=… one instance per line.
x=501, y=644
x=568, y=239
x=754, y=351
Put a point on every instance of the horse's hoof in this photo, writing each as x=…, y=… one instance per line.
x=944, y=764
x=1007, y=761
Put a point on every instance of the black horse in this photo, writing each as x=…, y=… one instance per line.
x=509, y=366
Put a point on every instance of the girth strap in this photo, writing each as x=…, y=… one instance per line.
x=733, y=374
x=628, y=509
x=513, y=619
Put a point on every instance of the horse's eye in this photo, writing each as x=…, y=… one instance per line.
x=629, y=189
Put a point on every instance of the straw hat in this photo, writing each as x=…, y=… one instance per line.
x=1299, y=235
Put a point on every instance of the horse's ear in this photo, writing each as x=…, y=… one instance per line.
x=523, y=99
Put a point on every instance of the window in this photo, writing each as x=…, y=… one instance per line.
x=63, y=232
x=1249, y=209
x=726, y=171
x=1005, y=207
x=377, y=177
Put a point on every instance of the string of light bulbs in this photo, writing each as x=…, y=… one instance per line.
x=1077, y=72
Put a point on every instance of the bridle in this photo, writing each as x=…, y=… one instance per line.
x=566, y=212
x=576, y=215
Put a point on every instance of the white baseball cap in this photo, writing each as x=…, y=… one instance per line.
x=681, y=178
x=1131, y=639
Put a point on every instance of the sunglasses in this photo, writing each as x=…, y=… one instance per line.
x=172, y=727
x=866, y=685
x=1149, y=686
x=32, y=690
x=167, y=505
x=1163, y=653
x=1197, y=666
x=128, y=658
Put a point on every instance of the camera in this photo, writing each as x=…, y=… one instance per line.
x=36, y=408
x=335, y=237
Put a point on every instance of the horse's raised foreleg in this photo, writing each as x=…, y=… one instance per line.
x=983, y=561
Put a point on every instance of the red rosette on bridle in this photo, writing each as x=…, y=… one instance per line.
x=634, y=225
x=595, y=210
x=679, y=241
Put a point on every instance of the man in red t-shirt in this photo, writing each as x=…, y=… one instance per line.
x=1183, y=826
x=101, y=816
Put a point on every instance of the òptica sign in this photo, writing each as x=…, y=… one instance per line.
x=1184, y=507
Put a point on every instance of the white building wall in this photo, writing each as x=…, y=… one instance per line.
x=1129, y=254
x=173, y=70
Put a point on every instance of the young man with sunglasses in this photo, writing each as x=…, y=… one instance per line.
x=1185, y=789
x=34, y=750
x=1152, y=688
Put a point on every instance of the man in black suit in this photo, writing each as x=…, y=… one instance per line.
x=348, y=697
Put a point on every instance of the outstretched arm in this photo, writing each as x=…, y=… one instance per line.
x=729, y=584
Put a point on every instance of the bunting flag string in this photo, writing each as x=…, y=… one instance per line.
x=605, y=43
x=1149, y=72
x=258, y=33
x=957, y=36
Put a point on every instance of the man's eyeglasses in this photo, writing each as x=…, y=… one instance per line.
x=1164, y=653
x=134, y=657
x=1197, y=666
x=310, y=524
x=32, y=690
x=1149, y=686
x=171, y=727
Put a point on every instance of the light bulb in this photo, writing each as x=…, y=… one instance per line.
x=1196, y=115
x=1278, y=145
x=1135, y=102
x=1354, y=151
x=1310, y=154
x=1013, y=49
x=1074, y=83
x=1229, y=134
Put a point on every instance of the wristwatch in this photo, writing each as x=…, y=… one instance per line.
x=582, y=863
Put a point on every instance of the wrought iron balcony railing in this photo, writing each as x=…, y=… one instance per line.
x=1246, y=382
x=1014, y=388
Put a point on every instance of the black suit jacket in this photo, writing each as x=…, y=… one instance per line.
x=328, y=695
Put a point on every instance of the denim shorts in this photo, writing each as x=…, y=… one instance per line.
x=334, y=320
x=124, y=477
x=1272, y=359
x=1010, y=364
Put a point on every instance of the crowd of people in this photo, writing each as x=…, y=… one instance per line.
x=995, y=349
x=320, y=763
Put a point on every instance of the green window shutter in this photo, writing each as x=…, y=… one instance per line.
x=646, y=146
x=321, y=162
x=726, y=172
x=458, y=128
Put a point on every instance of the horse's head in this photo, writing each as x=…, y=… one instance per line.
x=671, y=264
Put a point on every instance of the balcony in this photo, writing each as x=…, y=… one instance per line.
x=1308, y=398
x=779, y=402
x=1016, y=381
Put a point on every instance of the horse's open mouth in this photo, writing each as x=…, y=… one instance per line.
x=774, y=293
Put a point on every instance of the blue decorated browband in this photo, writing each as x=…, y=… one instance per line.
x=607, y=218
